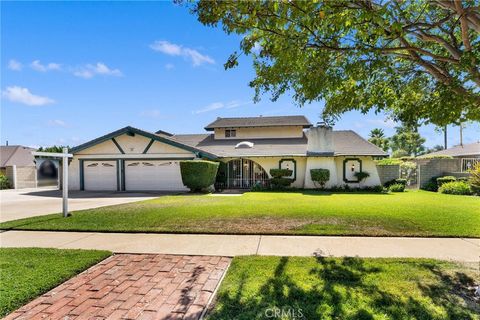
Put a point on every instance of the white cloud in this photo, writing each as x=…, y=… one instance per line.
x=169, y=66
x=100, y=68
x=24, y=96
x=387, y=123
x=172, y=49
x=220, y=105
x=57, y=123
x=14, y=65
x=37, y=66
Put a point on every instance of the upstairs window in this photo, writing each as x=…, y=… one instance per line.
x=230, y=133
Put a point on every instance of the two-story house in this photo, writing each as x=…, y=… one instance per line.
x=131, y=159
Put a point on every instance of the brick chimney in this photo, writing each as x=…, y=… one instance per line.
x=320, y=140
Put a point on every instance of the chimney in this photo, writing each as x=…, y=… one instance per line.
x=320, y=140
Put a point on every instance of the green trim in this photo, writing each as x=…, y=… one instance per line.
x=118, y=146
x=148, y=146
x=82, y=176
x=294, y=167
x=132, y=131
x=345, y=171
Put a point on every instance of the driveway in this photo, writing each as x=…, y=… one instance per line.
x=24, y=203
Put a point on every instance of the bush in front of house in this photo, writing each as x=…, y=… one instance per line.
x=474, y=179
x=445, y=179
x=4, y=183
x=320, y=177
x=278, y=180
x=455, y=187
x=396, y=187
x=198, y=175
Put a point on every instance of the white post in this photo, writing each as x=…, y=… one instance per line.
x=65, y=182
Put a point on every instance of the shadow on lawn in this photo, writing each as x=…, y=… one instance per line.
x=342, y=293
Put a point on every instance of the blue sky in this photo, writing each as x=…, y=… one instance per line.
x=73, y=71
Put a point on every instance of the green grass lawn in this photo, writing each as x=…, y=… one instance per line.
x=413, y=213
x=256, y=287
x=26, y=273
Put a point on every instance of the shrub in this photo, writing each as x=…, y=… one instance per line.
x=4, y=183
x=388, y=162
x=396, y=187
x=455, y=187
x=320, y=176
x=197, y=175
x=445, y=179
x=280, y=173
x=474, y=179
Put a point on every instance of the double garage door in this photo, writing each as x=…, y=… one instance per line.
x=138, y=175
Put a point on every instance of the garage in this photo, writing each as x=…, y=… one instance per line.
x=100, y=175
x=145, y=175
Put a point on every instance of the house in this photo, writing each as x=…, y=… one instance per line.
x=18, y=164
x=468, y=154
x=131, y=159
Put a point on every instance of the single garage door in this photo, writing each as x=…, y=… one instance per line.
x=100, y=175
x=153, y=175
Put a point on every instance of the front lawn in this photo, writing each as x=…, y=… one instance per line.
x=26, y=273
x=258, y=287
x=413, y=213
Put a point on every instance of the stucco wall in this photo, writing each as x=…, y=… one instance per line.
x=265, y=132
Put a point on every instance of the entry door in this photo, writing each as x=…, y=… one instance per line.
x=100, y=175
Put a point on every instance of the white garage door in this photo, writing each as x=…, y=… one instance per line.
x=100, y=175
x=153, y=175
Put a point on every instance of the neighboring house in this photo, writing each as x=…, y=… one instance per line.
x=131, y=159
x=468, y=153
x=18, y=164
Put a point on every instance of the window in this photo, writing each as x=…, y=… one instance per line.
x=230, y=133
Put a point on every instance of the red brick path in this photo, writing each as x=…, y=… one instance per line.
x=131, y=286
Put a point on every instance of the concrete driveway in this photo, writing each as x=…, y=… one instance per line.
x=24, y=203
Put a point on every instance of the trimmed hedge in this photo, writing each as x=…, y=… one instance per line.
x=445, y=179
x=197, y=175
x=456, y=187
x=320, y=176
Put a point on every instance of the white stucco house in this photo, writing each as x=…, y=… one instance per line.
x=131, y=159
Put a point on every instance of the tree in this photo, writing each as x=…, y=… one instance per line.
x=414, y=60
x=407, y=139
x=377, y=137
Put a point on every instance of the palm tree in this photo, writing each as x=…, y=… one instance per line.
x=377, y=137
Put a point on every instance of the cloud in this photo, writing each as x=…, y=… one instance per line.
x=220, y=105
x=387, y=123
x=37, y=66
x=100, y=68
x=14, y=65
x=57, y=123
x=24, y=96
x=172, y=49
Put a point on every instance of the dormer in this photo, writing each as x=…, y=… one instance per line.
x=259, y=127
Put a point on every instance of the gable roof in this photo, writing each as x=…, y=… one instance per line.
x=471, y=149
x=259, y=122
x=345, y=142
x=131, y=131
x=16, y=155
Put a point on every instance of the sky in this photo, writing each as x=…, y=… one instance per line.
x=72, y=71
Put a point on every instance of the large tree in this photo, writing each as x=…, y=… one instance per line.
x=414, y=60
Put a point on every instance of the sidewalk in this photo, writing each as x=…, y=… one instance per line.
x=459, y=249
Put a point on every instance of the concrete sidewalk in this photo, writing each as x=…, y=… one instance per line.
x=459, y=249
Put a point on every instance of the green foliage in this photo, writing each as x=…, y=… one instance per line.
x=361, y=175
x=280, y=183
x=445, y=179
x=399, y=153
x=398, y=57
x=377, y=137
x=320, y=176
x=4, y=183
x=455, y=187
x=474, y=179
x=388, y=162
x=197, y=175
x=280, y=173
x=396, y=187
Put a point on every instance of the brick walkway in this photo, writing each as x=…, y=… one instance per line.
x=131, y=286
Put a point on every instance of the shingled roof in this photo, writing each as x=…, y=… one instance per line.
x=259, y=122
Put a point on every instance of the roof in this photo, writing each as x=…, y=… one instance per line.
x=153, y=136
x=471, y=149
x=346, y=143
x=16, y=155
x=259, y=122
